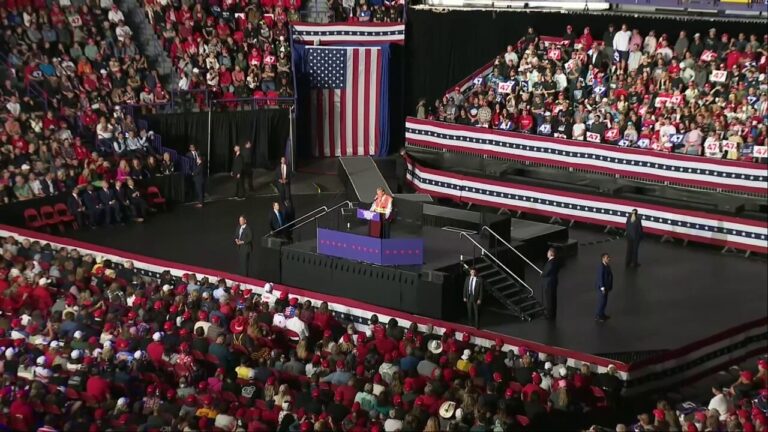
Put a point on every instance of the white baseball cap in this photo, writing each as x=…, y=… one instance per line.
x=78, y=334
x=76, y=354
x=40, y=361
x=157, y=336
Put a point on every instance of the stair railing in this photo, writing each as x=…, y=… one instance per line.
x=485, y=252
x=504, y=242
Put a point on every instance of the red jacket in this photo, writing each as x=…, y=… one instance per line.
x=97, y=387
x=20, y=408
x=155, y=351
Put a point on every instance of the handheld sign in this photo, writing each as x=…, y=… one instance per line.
x=718, y=76
x=593, y=137
x=760, y=151
x=505, y=87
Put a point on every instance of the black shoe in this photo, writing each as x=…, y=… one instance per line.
x=607, y=317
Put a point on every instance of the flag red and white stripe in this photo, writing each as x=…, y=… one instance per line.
x=345, y=119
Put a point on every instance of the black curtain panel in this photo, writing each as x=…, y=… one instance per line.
x=445, y=47
x=267, y=129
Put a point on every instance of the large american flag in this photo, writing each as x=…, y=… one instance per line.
x=348, y=33
x=345, y=92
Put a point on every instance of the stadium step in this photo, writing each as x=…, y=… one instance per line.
x=511, y=293
x=146, y=39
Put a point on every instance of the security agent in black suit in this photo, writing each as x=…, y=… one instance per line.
x=283, y=179
x=92, y=205
x=76, y=207
x=198, y=178
x=247, y=151
x=49, y=185
x=604, y=285
x=634, y=235
x=473, y=296
x=108, y=198
x=277, y=219
x=244, y=243
x=549, y=282
x=238, y=168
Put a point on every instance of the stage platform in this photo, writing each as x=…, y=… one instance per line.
x=681, y=314
x=678, y=295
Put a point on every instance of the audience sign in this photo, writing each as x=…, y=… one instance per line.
x=554, y=54
x=662, y=100
x=612, y=134
x=478, y=80
x=643, y=143
x=729, y=145
x=712, y=147
x=718, y=76
x=708, y=56
x=760, y=151
x=505, y=87
x=593, y=137
x=625, y=143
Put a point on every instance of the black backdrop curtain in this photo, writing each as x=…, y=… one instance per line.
x=445, y=47
x=267, y=129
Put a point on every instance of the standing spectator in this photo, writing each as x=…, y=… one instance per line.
x=604, y=285
x=549, y=283
x=634, y=234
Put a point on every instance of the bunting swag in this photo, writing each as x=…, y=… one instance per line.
x=348, y=33
x=637, y=163
x=696, y=226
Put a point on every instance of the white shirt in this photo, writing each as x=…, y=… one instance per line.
x=298, y=326
x=392, y=425
x=283, y=171
x=472, y=283
x=240, y=233
x=621, y=40
x=115, y=16
x=721, y=404
x=279, y=320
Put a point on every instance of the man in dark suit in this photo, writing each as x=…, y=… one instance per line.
x=243, y=240
x=136, y=204
x=76, y=207
x=473, y=296
x=237, y=172
x=110, y=203
x=92, y=205
x=193, y=153
x=198, y=178
x=276, y=218
x=604, y=285
x=634, y=235
x=549, y=282
x=49, y=185
x=283, y=179
x=248, y=165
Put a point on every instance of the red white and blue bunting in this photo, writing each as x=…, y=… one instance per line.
x=693, y=171
x=696, y=226
x=348, y=33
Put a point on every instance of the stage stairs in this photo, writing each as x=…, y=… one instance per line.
x=513, y=295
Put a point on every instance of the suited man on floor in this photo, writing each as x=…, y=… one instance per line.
x=244, y=244
x=473, y=296
x=277, y=219
x=549, y=281
x=604, y=285
x=198, y=178
x=634, y=234
x=283, y=180
x=238, y=172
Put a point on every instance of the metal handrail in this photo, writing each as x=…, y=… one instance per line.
x=485, y=252
x=320, y=212
x=297, y=220
x=325, y=212
x=486, y=228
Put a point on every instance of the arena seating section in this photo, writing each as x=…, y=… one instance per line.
x=96, y=340
x=693, y=94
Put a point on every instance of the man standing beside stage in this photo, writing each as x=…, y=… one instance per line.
x=276, y=218
x=634, y=235
x=549, y=282
x=283, y=180
x=382, y=204
x=604, y=285
x=243, y=240
x=473, y=296
x=237, y=172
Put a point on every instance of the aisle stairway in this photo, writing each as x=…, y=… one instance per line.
x=315, y=11
x=146, y=39
x=513, y=295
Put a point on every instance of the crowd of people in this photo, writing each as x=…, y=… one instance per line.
x=377, y=11
x=91, y=344
x=698, y=95
x=229, y=51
